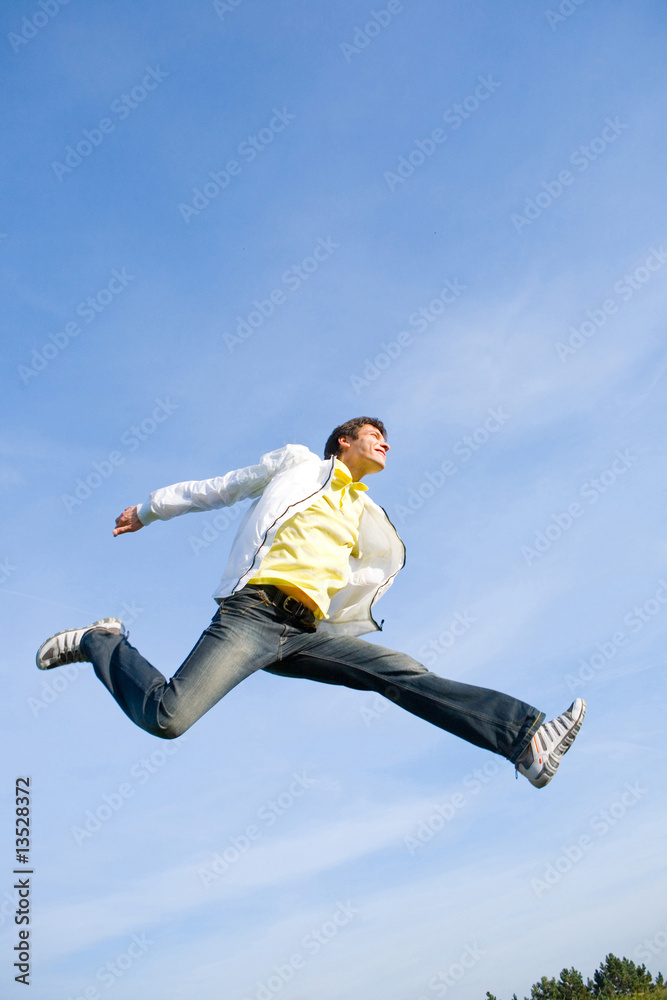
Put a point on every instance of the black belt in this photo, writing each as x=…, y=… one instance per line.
x=286, y=603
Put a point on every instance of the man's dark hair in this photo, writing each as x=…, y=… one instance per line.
x=351, y=429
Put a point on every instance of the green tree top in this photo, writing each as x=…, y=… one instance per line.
x=616, y=977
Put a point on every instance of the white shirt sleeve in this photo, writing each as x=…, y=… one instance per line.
x=222, y=491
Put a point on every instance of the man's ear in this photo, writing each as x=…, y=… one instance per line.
x=343, y=443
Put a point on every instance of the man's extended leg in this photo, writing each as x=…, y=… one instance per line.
x=241, y=638
x=487, y=718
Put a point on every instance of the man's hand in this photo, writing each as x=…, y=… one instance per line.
x=127, y=521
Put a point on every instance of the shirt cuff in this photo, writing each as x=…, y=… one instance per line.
x=145, y=513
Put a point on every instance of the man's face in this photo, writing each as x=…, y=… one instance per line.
x=366, y=453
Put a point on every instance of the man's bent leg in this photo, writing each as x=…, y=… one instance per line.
x=237, y=642
x=487, y=718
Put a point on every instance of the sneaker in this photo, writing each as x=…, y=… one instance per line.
x=551, y=741
x=65, y=647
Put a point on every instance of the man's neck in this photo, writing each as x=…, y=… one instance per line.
x=356, y=474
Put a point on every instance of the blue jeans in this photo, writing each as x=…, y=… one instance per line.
x=247, y=633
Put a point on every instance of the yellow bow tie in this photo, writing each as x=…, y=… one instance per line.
x=341, y=479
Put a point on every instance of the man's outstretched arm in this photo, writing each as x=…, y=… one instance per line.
x=127, y=521
x=209, y=494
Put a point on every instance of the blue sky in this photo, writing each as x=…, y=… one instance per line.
x=450, y=216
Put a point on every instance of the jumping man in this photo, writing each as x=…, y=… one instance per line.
x=310, y=559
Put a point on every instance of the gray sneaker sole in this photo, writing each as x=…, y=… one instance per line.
x=559, y=751
x=98, y=624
